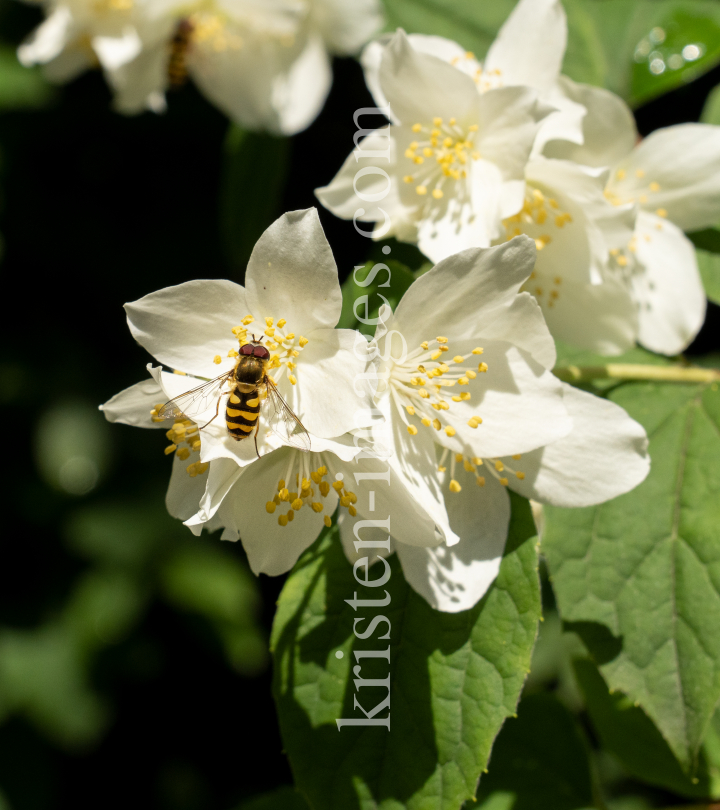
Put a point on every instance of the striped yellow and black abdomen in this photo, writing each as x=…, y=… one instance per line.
x=242, y=413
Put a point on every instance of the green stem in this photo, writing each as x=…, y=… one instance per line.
x=630, y=371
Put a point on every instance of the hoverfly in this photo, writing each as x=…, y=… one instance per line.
x=179, y=47
x=250, y=389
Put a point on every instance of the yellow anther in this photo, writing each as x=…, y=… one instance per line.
x=421, y=190
x=297, y=504
x=463, y=381
x=454, y=486
x=327, y=520
x=410, y=409
x=437, y=122
x=443, y=368
x=499, y=466
x=283, y=520
x=473, y=128
x=441, y=339
x=443, y=348
x=640, y=173
x=284, y=494
x=337, y=485
x=317, y=507
x=270, y=507
x=248, y=319
x=171, y=448
x=269, y=322
x=196, y=445
x=239, y=330
x=316, y=477
x=426, y=421
x=450, y=430
x=305, y=484
x=423, y=345
x=324, y=488
x=480, y=480
x=452, y=122
x=270, y=332
x=408, y=178
x=622, y=261
x=290, y=516
x=465, y=395
x=232, y=353
x=468, y=465
x=441, y=468
x=281, y=485
x=504, y=481
x=458, y=359
x=661, y=212
x=477, y=351
x=418, y=160
x=345, y=501
x=428, y=152
x=520, y=475
x=290, y=336
x=435, y=355
x=352, y=511
x=292, y=378
x=483, y=367
x=217, y=359
x=281, y=323
x=436, y=424
x=517, y=456
x=654, y=186
x=183, y=453
x=474, y=421
x=322, y=470
x=424, y=394
x=416, y=127
x=470, y=373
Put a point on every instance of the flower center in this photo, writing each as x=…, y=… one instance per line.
x=440, y=157
x=285, y=345
x=416, y=386
x=184, y=439
x=642, y=198
x=306, y=475
x=476, y=466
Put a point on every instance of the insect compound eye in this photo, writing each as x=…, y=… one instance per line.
x=261, y=352
x=247, y=349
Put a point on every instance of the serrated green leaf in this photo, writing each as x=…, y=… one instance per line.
x=363, y=288
x=253, y=183
x=644, y=569
x=626, y=731
x=539, y=759
x=454, y=678
x=607, y=39
x=709, y=264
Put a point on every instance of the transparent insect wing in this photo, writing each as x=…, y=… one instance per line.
x=197, y=401
x=283, y=422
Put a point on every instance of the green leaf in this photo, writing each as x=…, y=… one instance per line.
x=20, y=87
x=539, y=760
x=284, y=798
x=626, y=731
x=711, y=110
x=641, y=574
x=364, y=289
x=454, y=678
x=708, y=239
x=709, y=264
x=618, y=44
x=253, y=183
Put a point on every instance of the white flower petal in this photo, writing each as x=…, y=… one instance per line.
x=455, y=579
x=184, y=492
x=133, y=405
x=271, y=548
x=292, y=275
x=347, y=26
x=675, y=170
x=326, y=373
x=420, y=87
x=369, y=534
x=530, y=46
x=140, y=84
x=609, y=132
x=669, y=291
x=600, y=317
x=604, y=456
x=475, y=293
x=113, y=52
x=49, y=38
x=186, y=326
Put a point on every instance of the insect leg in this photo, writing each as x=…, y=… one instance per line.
x=257, y=427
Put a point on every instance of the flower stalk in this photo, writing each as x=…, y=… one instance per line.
x=632, y=371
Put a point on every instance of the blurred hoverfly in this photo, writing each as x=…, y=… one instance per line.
x=249, y=389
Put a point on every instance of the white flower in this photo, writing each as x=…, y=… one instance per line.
x=265, y=63
x=451, y=164
x=673, y=178
x=291, y=301
x=473, y=409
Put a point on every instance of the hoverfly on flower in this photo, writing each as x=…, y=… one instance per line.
x=250, y=388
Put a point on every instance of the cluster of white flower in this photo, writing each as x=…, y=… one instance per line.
x=265, y=63
x=482, y=153
x=542, y=216
x=466, y=410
